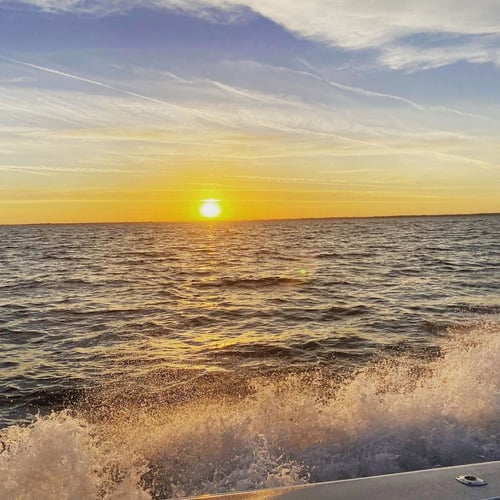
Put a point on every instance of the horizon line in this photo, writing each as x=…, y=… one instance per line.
x=221, y=221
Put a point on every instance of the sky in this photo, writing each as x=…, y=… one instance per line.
x=135, y=110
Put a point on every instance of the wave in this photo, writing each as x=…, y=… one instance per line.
x=400, y=413
x=268, y=281
x=481, y=309
x=335, y=312
x=26, y=284
x=296, y=353
x=328, y=255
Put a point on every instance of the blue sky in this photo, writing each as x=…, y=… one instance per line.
x=319, y=108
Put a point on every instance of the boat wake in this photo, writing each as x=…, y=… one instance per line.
x=400, y=413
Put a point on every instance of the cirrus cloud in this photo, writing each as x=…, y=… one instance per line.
x=419, y=35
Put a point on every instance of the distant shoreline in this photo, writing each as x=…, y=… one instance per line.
x=236, y=221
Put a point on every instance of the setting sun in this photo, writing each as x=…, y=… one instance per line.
x=210, y=208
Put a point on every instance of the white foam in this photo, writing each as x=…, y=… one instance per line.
x=400, y=414
x=59, y=457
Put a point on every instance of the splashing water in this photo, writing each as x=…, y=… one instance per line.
x=398, y=414
x=59, y=457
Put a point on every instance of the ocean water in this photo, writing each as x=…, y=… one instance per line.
x=147, y=361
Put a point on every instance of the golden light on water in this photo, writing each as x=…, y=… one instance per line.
x=210, y=209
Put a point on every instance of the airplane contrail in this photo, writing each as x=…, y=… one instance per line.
x=115, y=89
x=372, y=93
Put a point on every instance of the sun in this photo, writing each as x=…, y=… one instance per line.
x=210, y=209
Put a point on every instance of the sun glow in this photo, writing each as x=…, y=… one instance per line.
x=210, y=209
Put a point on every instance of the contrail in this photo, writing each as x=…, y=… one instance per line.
x=372, y=93
x=113, y=88
x=356, y=90
x=46, y=170
x=61, y=73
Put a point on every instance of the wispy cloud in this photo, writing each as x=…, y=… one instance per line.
x=387, y=26
x=48, y=170
x=413, y=58
x=175, y=107
x=356, y=123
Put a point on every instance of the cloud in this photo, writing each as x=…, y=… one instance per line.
x=47, y=170
x=367, y=24
x=161, y=102
x=153, y=122
x=417, y=35
x=414, y=58
x=427, y=32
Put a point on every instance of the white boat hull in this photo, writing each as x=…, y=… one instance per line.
x=430, y=484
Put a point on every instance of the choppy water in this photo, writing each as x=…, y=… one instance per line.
x=181, y=359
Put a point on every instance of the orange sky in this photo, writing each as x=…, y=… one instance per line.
x=345, y=110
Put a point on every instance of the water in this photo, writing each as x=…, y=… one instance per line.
x=163, y=360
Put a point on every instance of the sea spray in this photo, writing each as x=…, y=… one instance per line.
x=59, y=456
x=401, y=413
